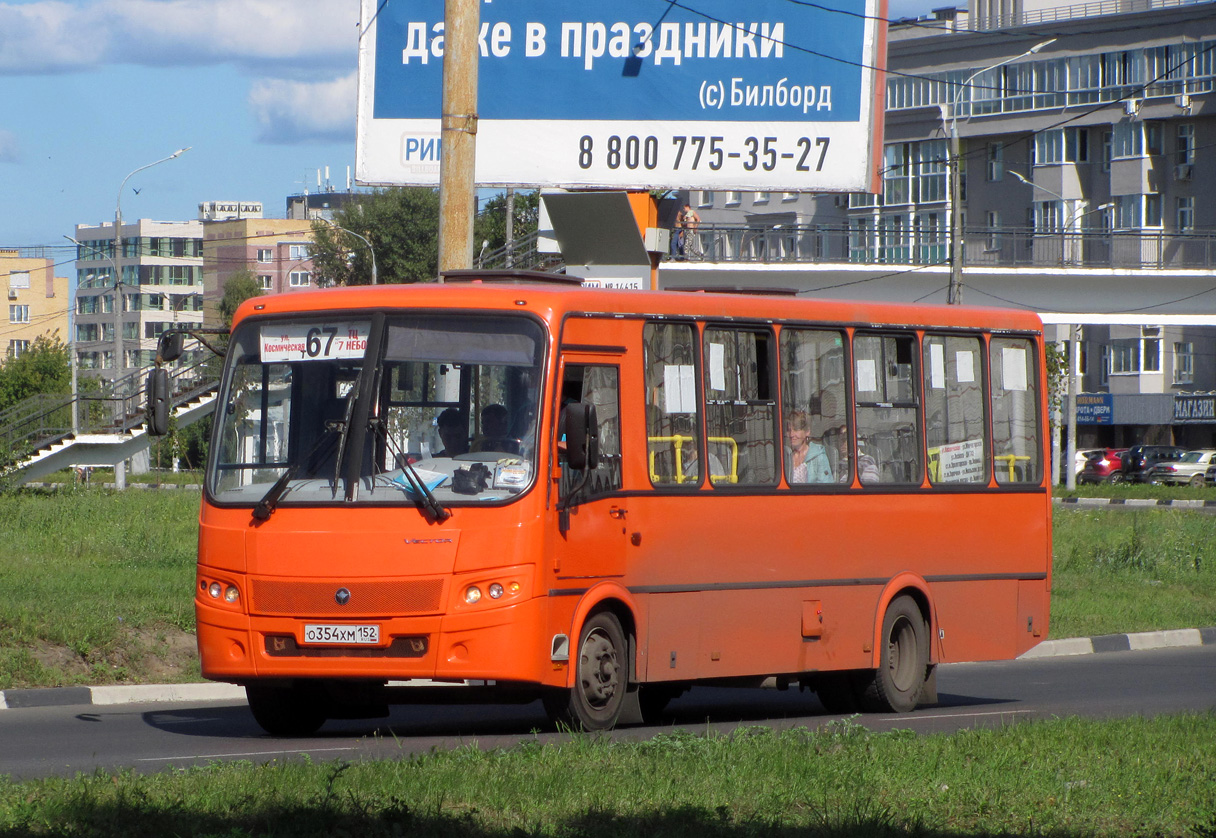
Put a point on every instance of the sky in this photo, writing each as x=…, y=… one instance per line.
x=262, y=91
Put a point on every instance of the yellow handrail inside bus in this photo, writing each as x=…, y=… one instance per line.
x=677, y=443
x=1010, y=460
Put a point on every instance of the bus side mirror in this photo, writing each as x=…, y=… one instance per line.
x=158, y=402
x=169, y=347
x=582, y=436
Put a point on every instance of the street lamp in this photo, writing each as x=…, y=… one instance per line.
x=954, y=296
x=118, y=353
x=370, y=250
x=1078, y=213
x=1074, y=340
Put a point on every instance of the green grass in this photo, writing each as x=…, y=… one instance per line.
x=1065, y=777
x=96, y=585
x=1128, y=570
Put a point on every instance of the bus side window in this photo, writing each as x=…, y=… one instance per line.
x=814, y=407
x=1015, y=411
x=888, y=434
x=954, y=409
x=739, y=407
x=672, y=421
x=596, y=384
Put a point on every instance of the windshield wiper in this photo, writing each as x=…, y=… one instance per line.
x=263, y=509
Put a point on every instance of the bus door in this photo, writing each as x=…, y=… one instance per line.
x=593, y=518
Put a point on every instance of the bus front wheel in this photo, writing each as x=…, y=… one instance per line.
x=285, y=711
x=896, y=686
x=600, y=680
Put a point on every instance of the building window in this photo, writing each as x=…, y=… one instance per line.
x=1186, y=144
x=16, y=347
x=1107, y=149
x=297, y=252
x=265, y=255
x=1184, y=363
x=1186, y=214
x=994, y=230
x=996, y=162
x=789, y=196
x=1150, y=350
x=733, y=198
x=19, y=279
x=1124, y=356
x=19, y=314
x=299, y=279
x=1127, y=212
x=265, y=282
x=761, y=198
x=931, y=178
x=1152, y=210
x=707, y=198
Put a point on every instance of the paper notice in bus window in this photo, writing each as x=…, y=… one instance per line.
x=937, y=366
x=962, y=462
x=867, y=375
x=964, y=367
x=313, y=341
x=717, y=366
x=680, y=388
x=1013, y=366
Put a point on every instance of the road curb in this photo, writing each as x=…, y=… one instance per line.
x=1181, y=503
x=152, y=693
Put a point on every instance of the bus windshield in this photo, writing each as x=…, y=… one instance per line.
x=363, y=407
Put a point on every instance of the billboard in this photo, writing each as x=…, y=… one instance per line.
x=635, y=94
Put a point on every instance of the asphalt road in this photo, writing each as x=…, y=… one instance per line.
x=46, y=741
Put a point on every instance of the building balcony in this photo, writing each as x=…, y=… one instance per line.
x=983, y=247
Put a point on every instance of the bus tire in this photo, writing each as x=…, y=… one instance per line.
x=896, y=686
x=285, y=711
x=601, y=677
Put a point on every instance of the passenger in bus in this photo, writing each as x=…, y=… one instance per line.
x=808, y=459
x=453, y=433
x=494, y=427
x=867, y=466
x=691, y=460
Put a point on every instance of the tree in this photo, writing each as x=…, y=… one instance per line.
x=240, y=287
x=491, y=223
x=42, y=368
x=402, y=225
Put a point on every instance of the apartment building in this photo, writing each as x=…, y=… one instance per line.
x=160, y=284
x=276, y=251
x=37, y=300
x=1086, y=148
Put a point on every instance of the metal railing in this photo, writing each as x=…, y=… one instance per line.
x=522, y=254
x=1072, y=12
x=997, y=247
x=118, y=407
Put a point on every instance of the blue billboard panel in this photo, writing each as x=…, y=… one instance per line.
x=637, y=93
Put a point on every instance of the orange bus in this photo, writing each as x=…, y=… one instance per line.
x=602, y=497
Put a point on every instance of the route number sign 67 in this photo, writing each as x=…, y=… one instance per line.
x=313, y=341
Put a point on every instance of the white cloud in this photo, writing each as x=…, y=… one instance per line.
x=65, y=35
x=294, y=111
x=9, y=152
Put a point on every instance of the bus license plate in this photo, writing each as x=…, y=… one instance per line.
x=342, y=635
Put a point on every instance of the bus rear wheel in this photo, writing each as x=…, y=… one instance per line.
x=897, y=684
x=285, y=711
x=601, y=678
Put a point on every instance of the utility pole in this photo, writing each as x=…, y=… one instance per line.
x=954, y=295
x=458, y=138
x=510, y=238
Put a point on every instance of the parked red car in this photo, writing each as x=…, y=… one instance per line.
x=1103, y=466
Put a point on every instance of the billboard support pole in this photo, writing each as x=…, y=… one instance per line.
x=458, y=138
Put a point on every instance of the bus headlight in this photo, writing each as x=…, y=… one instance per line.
x=231, y=594
x=472, y=594
x=214, y=589
x=495, y=591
